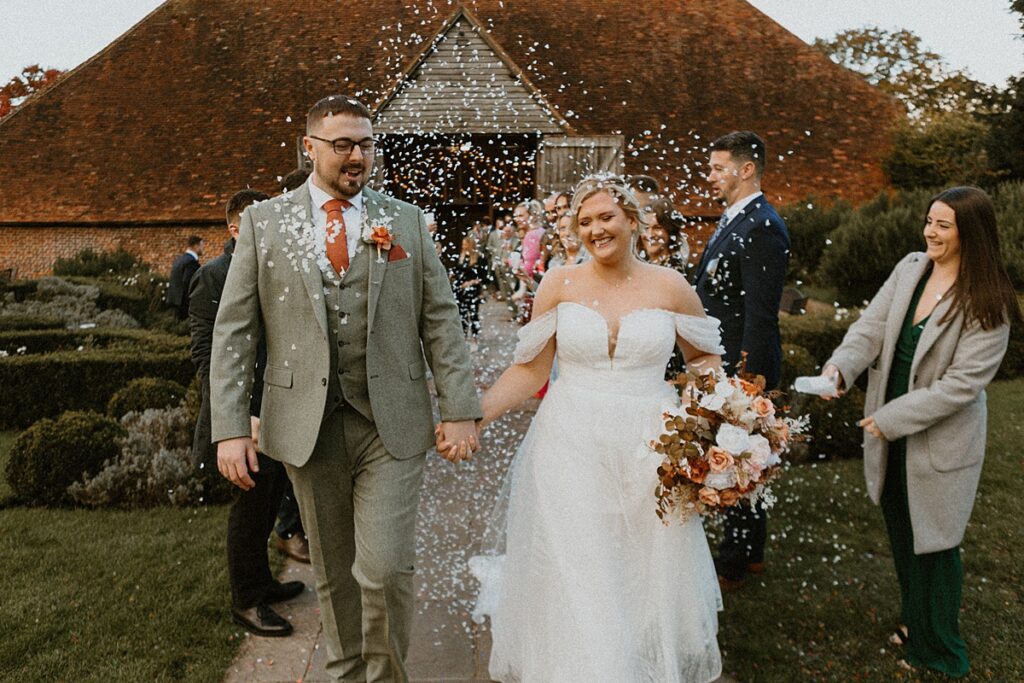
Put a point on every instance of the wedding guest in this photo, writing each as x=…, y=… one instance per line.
x=529, y=217
x=646, y=189
x=570, y=251
x=467, y=281
x=182, y=270
x=492, y=246
x=931, y=340
x=504, y=273
x=252, y=513
x=289, y=535
x=739, y=279
x=294, y=179
x=663, y=242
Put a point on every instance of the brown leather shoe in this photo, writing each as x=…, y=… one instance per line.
x=296, y=547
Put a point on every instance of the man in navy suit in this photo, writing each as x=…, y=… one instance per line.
x=184, y=267
x=739, y=279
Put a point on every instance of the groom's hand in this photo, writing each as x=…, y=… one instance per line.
x=235, y=457
x=457, y=441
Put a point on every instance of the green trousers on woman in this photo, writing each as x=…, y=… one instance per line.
x=930, y=584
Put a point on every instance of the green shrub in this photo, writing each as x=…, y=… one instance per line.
x=833, y=430
x=143, y=394
x=1013, y=361
x=28, y=322
x=47, y=341
x=16, y=290
x=869, y=243
x=1009, y=201
x=949, y=150
x=52, y=454
x=74, y=304
x=810, y=224
x=45, y=385
x=818, y=333
x=796, y=362
x=154, y=467
x=90, y=263
x=115, y=296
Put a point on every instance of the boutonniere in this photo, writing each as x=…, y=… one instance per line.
x=381, y=236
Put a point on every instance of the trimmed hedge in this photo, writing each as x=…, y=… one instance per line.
x=810, y=223
x=114, y=295
x=18, y=290
x=145, y=393
x=819, y=333
x=47, y=341
x=51, y=455
x=10, y=323
x=44, y=385
x=92, y=263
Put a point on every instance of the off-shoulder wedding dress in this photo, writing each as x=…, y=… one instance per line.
x=582, y=581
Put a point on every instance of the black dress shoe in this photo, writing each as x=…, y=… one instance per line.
x=262, y=621
x=280, y=592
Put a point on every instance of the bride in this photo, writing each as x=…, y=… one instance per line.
x=583, y=582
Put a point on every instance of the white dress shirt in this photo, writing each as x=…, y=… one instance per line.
x=732, y=210
x=353, y=216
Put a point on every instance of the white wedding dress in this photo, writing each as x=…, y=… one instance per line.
x=582, y=581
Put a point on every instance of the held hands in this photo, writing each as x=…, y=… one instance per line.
x=235, y=458
x=832, y=372
x=457, y=441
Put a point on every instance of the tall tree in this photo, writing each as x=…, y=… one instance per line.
x=32, y=79
x=898, y=63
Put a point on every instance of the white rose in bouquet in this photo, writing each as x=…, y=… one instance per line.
x=734, y=439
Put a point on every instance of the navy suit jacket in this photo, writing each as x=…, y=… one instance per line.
x=739, y=280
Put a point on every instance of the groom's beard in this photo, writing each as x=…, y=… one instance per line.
x=345, y=185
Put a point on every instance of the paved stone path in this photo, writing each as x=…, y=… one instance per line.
x=446, y=645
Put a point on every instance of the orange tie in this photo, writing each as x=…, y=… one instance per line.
x=337, y=242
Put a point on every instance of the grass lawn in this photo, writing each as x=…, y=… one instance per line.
x=113, y=596
x=829, y=600
x=142, y=596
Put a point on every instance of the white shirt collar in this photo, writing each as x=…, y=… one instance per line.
x=319, y=198
x=193, y=254
x=733, y=210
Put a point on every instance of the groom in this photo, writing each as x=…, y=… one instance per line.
x=739, y=279
x=351, y=295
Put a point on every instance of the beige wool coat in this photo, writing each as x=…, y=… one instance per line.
x=942, y=415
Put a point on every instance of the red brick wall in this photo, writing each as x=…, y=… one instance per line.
x=31, y=251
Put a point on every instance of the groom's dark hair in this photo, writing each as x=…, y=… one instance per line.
x=743, y=145
x=335, y=105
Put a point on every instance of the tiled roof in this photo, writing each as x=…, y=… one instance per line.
x=203, y=98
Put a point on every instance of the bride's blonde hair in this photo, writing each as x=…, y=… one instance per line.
x=616, y=188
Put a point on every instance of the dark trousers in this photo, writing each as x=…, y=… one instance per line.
x=250, y=521
x=746, y=530
x=289, y=521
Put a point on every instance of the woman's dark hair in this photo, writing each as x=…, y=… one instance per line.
x=669, y=219
x=983, y=289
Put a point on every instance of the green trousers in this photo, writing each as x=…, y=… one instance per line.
x=930, y=584
x=358, y=506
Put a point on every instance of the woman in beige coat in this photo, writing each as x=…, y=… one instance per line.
x=931, y=341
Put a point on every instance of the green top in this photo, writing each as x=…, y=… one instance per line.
x=906, y=346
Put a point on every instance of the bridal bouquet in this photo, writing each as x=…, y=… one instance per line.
x=723, y=445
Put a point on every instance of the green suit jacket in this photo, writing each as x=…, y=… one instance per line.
x=411, y=312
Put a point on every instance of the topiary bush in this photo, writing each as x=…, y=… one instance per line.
x=9, y=323
x=52, y=454
x=143, y=394
x=154, y=467
x=820, y=334
x=45, y=385
x=91, y=263
x=809, y=224
x=865, y=248
x=796, y=362
x=73, y=304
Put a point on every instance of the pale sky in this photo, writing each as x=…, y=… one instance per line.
x=978, y=35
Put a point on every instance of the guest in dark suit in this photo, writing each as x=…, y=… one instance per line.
x=739, y=279
x=253, y=512
x=184, y=267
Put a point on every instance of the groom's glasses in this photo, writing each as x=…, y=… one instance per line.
x=344, y=146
